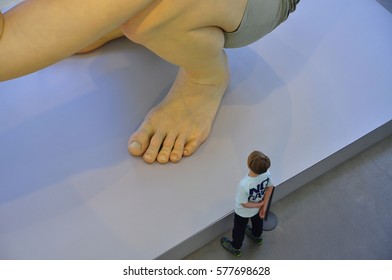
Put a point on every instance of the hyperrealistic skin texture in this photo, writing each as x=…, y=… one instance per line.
x=185, y=33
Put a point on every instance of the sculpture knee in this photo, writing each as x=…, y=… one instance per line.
x=138, y=32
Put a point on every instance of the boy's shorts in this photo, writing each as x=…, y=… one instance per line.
x=260, y=18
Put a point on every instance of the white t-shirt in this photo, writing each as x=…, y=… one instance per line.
x=251, y=189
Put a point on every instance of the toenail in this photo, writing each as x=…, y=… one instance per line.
x=135, y=145
x=148, y=157
x=162, y=157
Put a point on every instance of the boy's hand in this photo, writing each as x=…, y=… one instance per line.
x=262, y=212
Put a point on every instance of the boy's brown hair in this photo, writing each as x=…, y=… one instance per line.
x=258, y=162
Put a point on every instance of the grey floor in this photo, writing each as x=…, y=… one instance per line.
x=344, y=214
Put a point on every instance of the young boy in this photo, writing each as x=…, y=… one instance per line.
x=251, y=202
x=191, y=34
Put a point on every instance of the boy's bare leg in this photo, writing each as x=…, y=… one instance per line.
x=183, y=120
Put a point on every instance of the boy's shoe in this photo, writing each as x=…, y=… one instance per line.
x=258, y=240
x=226, y=243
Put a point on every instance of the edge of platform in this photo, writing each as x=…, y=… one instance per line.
x=225, y=223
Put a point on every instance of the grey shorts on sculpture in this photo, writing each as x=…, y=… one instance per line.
x=260, y=18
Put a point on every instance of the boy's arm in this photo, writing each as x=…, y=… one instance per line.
x=253, y=204
x=266, y=200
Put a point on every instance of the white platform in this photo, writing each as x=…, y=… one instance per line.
x=69, y=189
